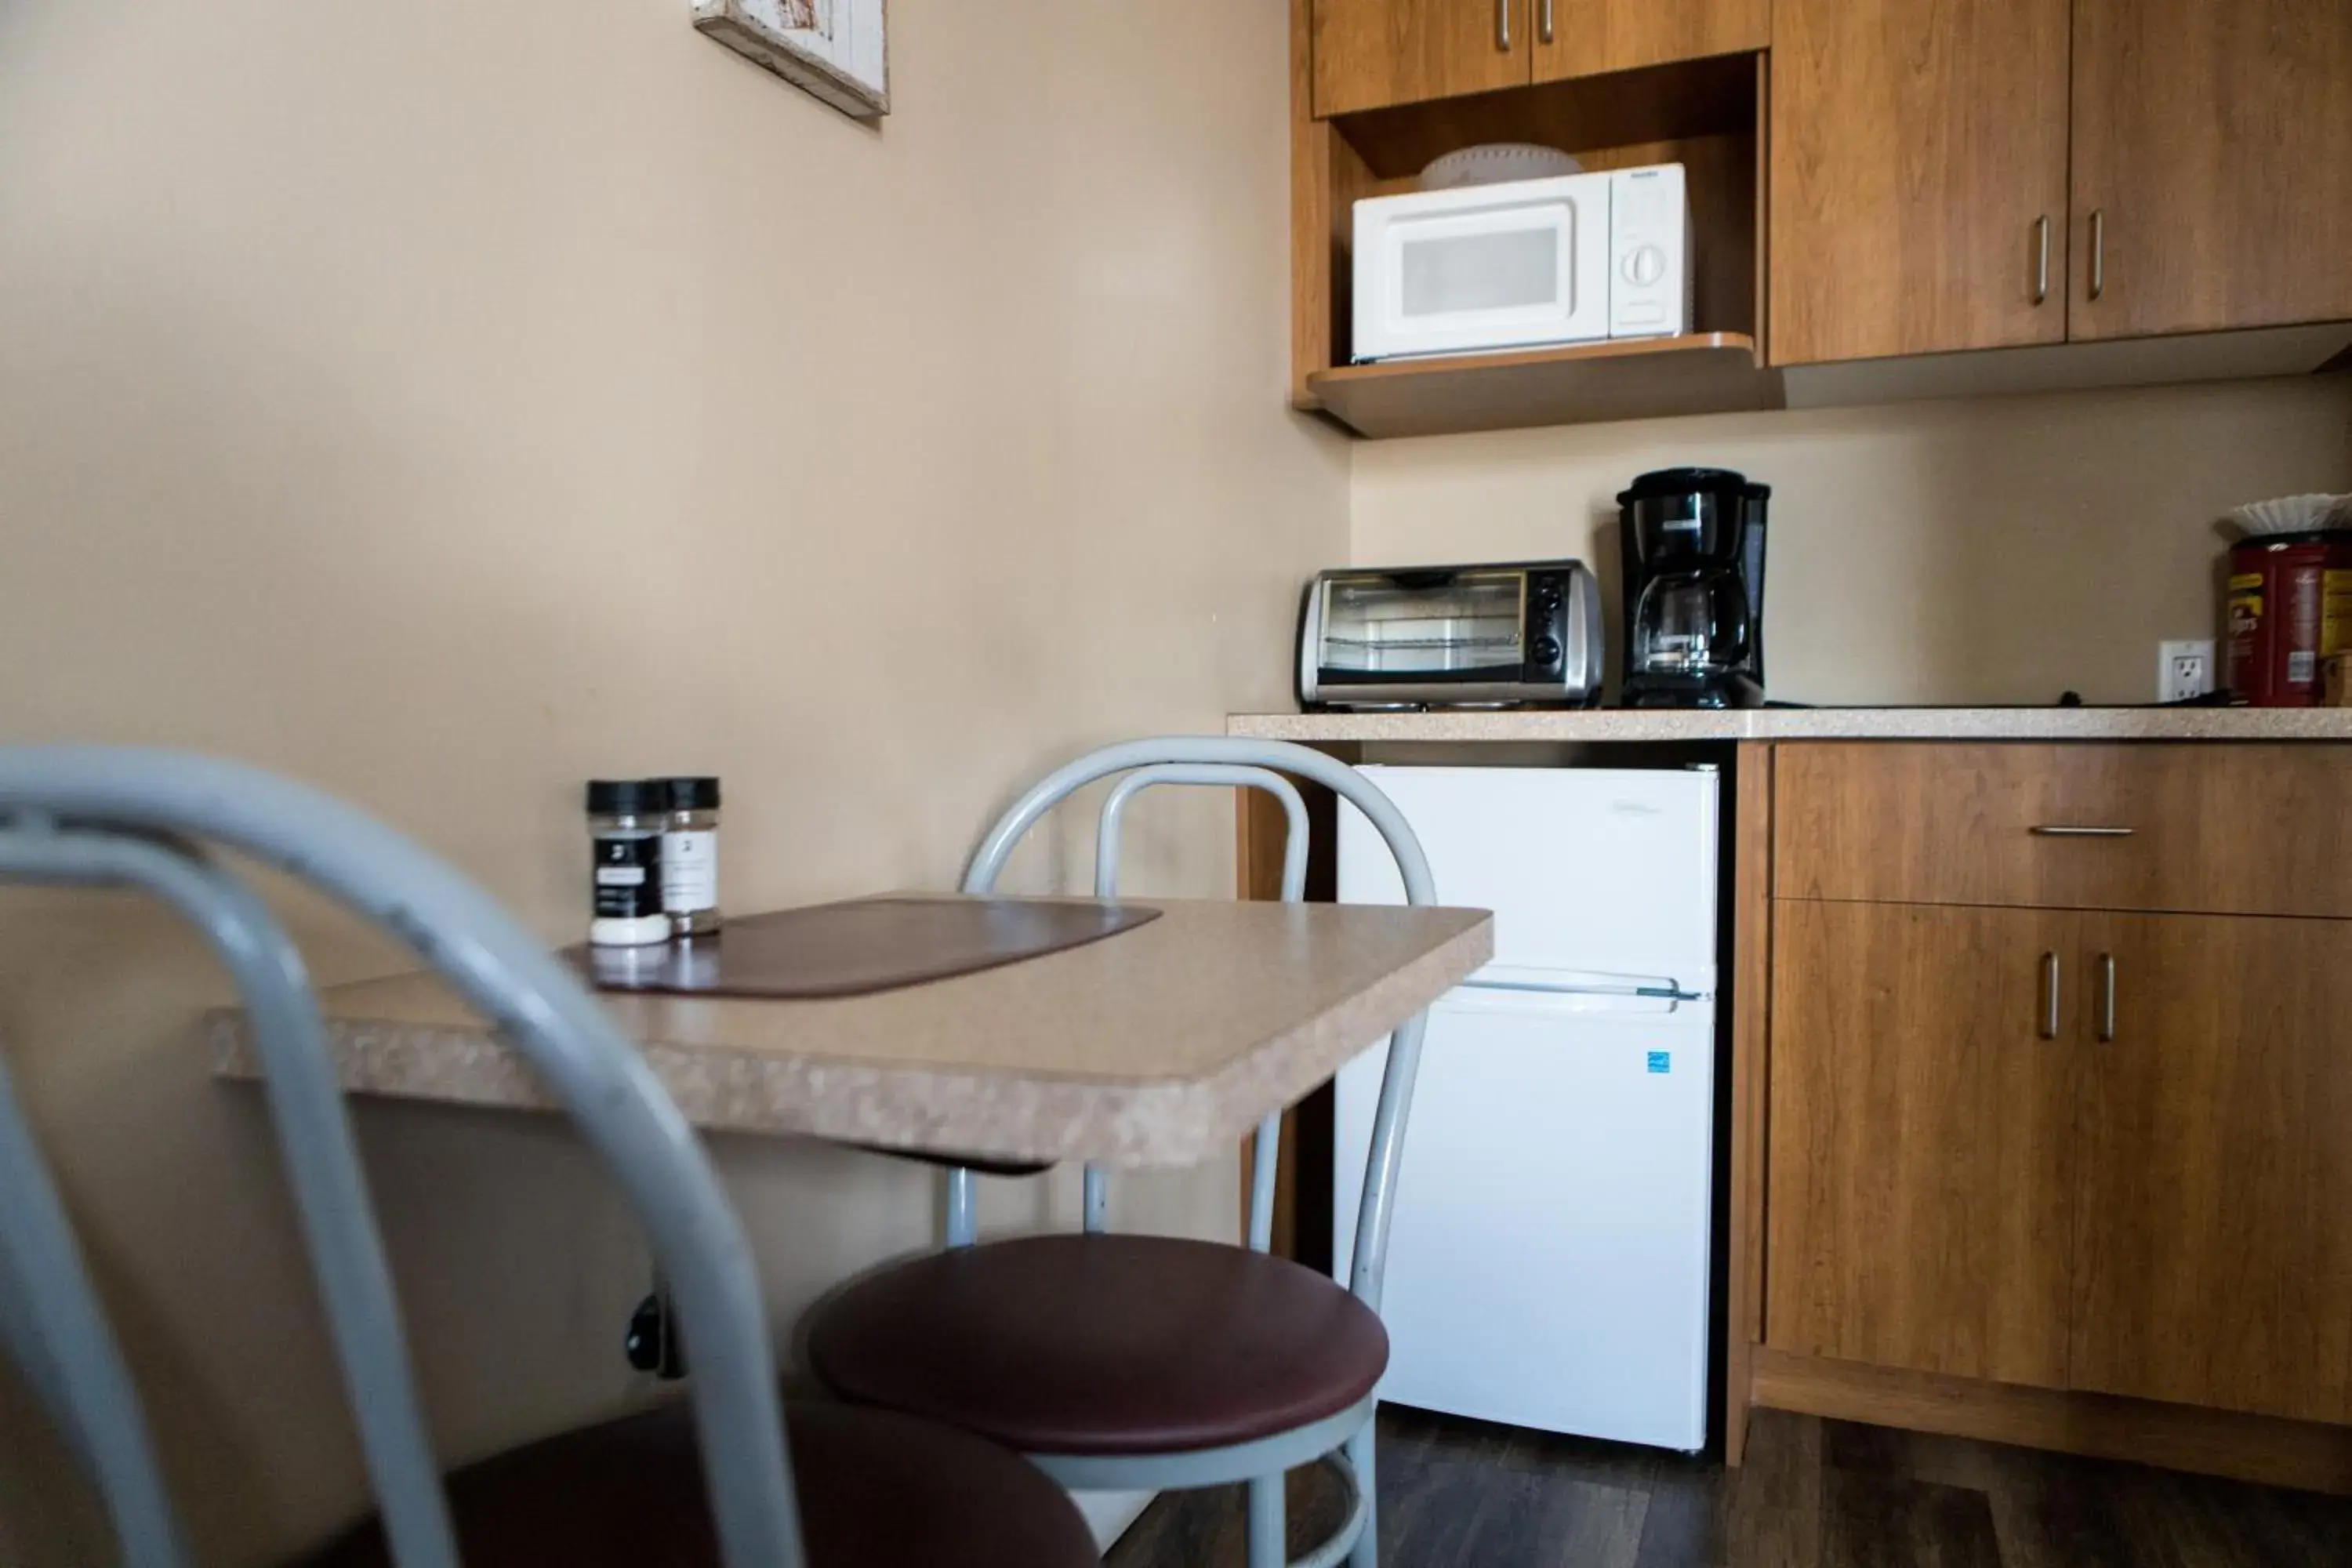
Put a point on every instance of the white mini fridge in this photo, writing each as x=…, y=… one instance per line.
x=1548, y=1260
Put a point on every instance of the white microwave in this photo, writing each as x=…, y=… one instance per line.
x=1572, y=258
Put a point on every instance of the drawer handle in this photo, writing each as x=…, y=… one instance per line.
x=2068, y=830
x=2049, y=995
x=2106, y=996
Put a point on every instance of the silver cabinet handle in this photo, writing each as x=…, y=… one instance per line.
x=2067, y=830
x=1543, y=28
x=2098, y=251
x=2049, y=995
x=2042, y=255
x=1503, y=26
x=2106, y=996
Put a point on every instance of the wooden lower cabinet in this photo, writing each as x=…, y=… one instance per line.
x=2212, y=1256
x=1921, y=1156
x=2141, y=1186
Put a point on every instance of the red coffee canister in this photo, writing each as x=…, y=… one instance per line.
x=2290, y=605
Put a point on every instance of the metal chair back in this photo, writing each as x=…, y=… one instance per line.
x=122, y=816
x=1246, y=763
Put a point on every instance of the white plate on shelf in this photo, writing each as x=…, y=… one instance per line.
x=1496, y=164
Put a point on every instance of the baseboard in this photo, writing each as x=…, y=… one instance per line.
x=2269, y=1449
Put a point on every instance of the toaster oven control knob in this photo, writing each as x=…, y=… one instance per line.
x=1547, y=651
x=1645, y=265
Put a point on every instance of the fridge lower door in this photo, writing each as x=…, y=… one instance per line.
x=1547, y=1264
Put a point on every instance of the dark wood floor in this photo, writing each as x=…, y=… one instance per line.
x=1814, y=1494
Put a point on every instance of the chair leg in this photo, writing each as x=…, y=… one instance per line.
x=1367, y=1552
x=1268, y=1545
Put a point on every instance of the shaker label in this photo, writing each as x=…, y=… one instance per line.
x=628, y=877
x=689, y=871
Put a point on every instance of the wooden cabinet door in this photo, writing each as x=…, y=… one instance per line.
x=2214, y=1215
x=1585, y=38
x=1918, y=169
x=2213, y=155
x=1920, y=1182
x=1369, y=54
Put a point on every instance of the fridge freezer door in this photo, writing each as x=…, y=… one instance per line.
x=1586, y=869
x=1548, y=1260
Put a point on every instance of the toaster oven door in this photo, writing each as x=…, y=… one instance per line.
x=1416, y=632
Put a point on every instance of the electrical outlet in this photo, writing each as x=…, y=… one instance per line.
x=2183, y=670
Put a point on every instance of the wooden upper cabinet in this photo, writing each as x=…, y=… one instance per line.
x=2212, y=164
x=1918, y=160
x=1585, y=38
x=1919, y=1196
x=2213, y=1216
x=1369, y=54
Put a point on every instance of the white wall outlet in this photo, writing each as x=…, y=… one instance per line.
x=2183, y=670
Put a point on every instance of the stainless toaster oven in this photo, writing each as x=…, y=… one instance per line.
x=1450, y=636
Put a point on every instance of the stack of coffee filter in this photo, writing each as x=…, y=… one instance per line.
x=2291, y=514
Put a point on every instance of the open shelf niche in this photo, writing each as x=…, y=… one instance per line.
x=1706, y=115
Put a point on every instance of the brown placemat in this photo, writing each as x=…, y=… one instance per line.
x=853, y=948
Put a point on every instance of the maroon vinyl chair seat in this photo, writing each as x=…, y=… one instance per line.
x=876, y=1489
x=1101, y=1344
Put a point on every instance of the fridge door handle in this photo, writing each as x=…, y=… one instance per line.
x=1665, y=991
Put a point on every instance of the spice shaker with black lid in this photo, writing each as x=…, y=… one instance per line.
x=690, y=855
x=626, y=817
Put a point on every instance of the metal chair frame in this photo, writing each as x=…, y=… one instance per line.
x=125, y=817
x=1346, y=1440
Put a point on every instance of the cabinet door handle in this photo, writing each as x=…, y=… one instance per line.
x=2049, y=995
x=2106, y=996
x=2098, y=251
x=2069, y=830
x=2040, y=254
x=1543, y=27
x=1503, y=31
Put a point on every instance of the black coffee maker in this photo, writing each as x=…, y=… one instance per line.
x=1693, y=543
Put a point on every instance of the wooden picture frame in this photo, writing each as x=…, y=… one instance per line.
x=836, y=50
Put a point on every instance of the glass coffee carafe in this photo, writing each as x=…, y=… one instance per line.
x=1691, y=624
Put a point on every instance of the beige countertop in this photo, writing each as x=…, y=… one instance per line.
x=1161, y=1046
x=1595, y=724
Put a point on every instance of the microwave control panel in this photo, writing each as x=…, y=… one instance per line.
x=1650, y=271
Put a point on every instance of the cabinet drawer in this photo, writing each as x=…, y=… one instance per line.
x=2214, y=828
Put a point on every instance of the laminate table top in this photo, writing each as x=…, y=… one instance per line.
x=1163, y=1045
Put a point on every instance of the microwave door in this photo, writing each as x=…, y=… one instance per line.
x=1498, y=278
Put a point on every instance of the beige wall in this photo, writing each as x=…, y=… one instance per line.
x=445, y=402
x=2002, y=550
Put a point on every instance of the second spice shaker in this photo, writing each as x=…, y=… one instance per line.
x=689, y=855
